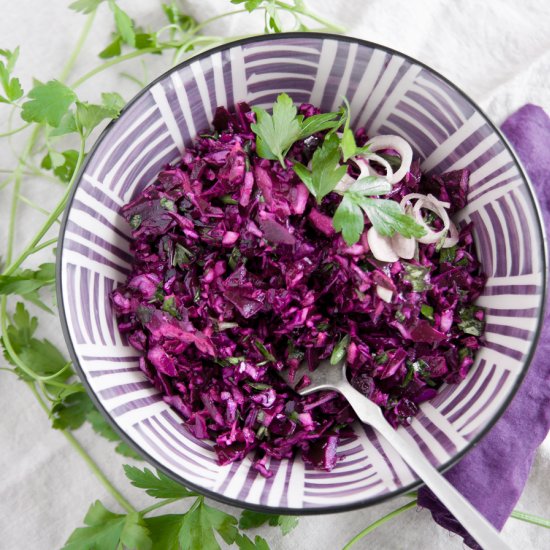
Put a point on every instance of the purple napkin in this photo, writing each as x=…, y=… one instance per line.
x=493, y=474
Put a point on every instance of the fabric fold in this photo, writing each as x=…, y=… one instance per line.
x=492, y=476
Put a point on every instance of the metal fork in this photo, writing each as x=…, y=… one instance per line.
x=333, y=377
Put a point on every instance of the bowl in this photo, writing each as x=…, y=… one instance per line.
x=390, y=93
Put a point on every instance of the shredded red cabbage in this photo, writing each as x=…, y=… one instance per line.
x=238, y=274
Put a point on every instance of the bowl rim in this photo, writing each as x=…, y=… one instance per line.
x=320, y=509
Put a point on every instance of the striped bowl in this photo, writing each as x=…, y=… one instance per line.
x=389, y=93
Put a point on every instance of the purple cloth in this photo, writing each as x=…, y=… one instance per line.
x=493, y=474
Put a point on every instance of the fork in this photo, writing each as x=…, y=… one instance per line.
x=333, y=377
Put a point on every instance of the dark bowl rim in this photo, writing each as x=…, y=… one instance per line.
x=321, y=509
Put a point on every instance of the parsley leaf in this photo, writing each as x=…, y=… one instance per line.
x=101, y=426
x=370, y=186
x=244, y=543
x=164, y=531
x=251, y=520
x=88, y=115
x=113, y=49
x=41, y=356
x=85, y=6
x=347, y=142
x=325, y=172
x=276, y=133
x=71, y=411
x=250, y=5
x=27, y=281
x=113, y=101
x=158, y=486
x=177, y=17
x=286, y=523
x=104, y=429
x=124, y=24
x=199, y=524
x=48, y=103
x=106, y=529
x=63, y=164
x=317, y=123
x=196, y=530
x=349, y=219
x=66, y=126
x=12, y=86
x=387, y=217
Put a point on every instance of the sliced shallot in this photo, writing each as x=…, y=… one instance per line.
x=452, y=239
x=429, y=202
x=404, y=247
x=381, y=247
x=347, y=181
x=398, y=144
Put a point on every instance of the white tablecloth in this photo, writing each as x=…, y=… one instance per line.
x=497, y=51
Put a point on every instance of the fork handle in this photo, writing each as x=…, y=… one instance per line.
x=473, y=521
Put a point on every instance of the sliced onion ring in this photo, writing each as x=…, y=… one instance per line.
x=398, y=144
x=347, y=181
x=383, y=162
x=452, y=239
x=429, y=202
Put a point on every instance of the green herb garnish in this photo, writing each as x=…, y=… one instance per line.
x=339, y=351
x=427, y=311
x=135, y=221
x=469, y=324
x=325, y=169
x=276, y=133
x=167, y=204
x=169, y=306
x=416, y=275
x=182, y=256
x=448, y=254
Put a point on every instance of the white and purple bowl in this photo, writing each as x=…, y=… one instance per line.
x=389, y=93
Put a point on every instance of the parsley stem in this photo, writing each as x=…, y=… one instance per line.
x=160, y=504
x=58, y=373
x=530, y=518
x=215, y=18
x=110, y=63
x=12, y=353
x=311, y=15
x=13, y=212
x=98, y=472
x=78, y=47
x=32, y=204
x=86, y=457
x=378, y=523
x=8, y=370
x=7, y=181
x=52, y=218
x=16, y=131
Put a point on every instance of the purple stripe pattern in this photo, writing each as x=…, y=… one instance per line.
x=388, y=94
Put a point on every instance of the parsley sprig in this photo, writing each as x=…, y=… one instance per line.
x=275, y=135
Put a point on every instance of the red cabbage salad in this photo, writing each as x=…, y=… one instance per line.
x=287, y=237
